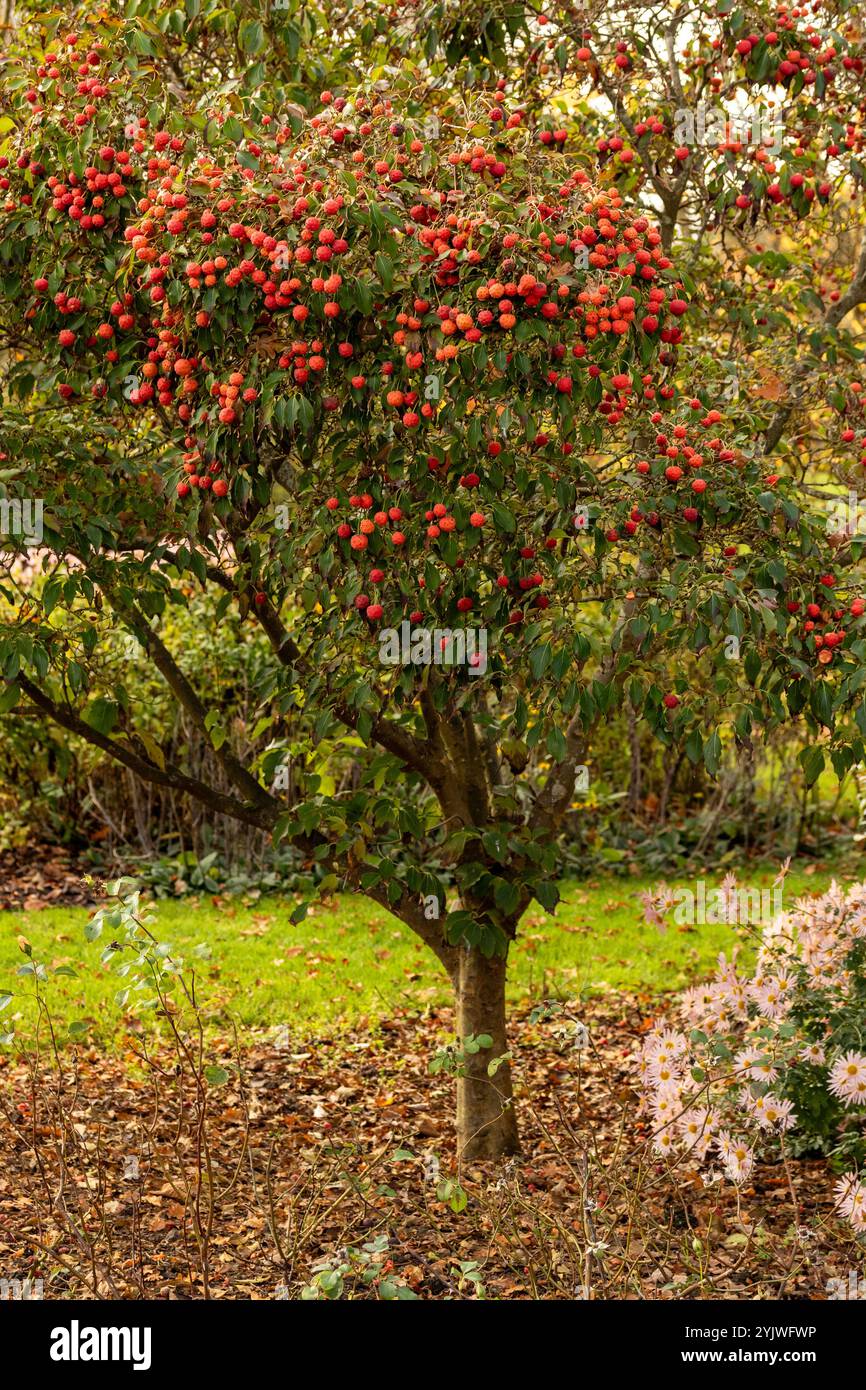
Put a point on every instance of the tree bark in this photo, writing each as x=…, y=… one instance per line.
x=486, y=1120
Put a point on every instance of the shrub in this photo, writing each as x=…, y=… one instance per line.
x=772, y=1060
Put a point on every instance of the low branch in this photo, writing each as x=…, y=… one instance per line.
x=167, y=776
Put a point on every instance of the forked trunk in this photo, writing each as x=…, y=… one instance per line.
x=486, y=1122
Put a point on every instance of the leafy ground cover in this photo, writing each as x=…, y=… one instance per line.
x=331, y=1169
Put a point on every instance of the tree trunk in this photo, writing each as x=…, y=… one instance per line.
x=486, y=1122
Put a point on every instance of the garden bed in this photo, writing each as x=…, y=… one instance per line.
x=322, y=1147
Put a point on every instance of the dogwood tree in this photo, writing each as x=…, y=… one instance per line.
x=401, y=387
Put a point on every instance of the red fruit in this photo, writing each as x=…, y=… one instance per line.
x=464, y=605
x=678, y=307
x=477, y=519
x=671, y=701
x=375, y=611
x=376, y=576
x=332, y=504
x=260, y=600
x=691, y=513
x=344, y=531
x=183, y=489
x=220, y=488
x=66, y=337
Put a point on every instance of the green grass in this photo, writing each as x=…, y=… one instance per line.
x=350, y=962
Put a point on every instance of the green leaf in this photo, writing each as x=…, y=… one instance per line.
x=540, y=659
x=713, y=753
x=547, y=894
x=9, y=697
x=812, y=761
x=506, y=896
x=252, y=37
x=101, y=715
x=385, y=270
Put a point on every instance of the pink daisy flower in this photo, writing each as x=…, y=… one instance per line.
x=848, y=1078
x=851, y=1200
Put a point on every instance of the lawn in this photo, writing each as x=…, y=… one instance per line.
x=348, y=962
